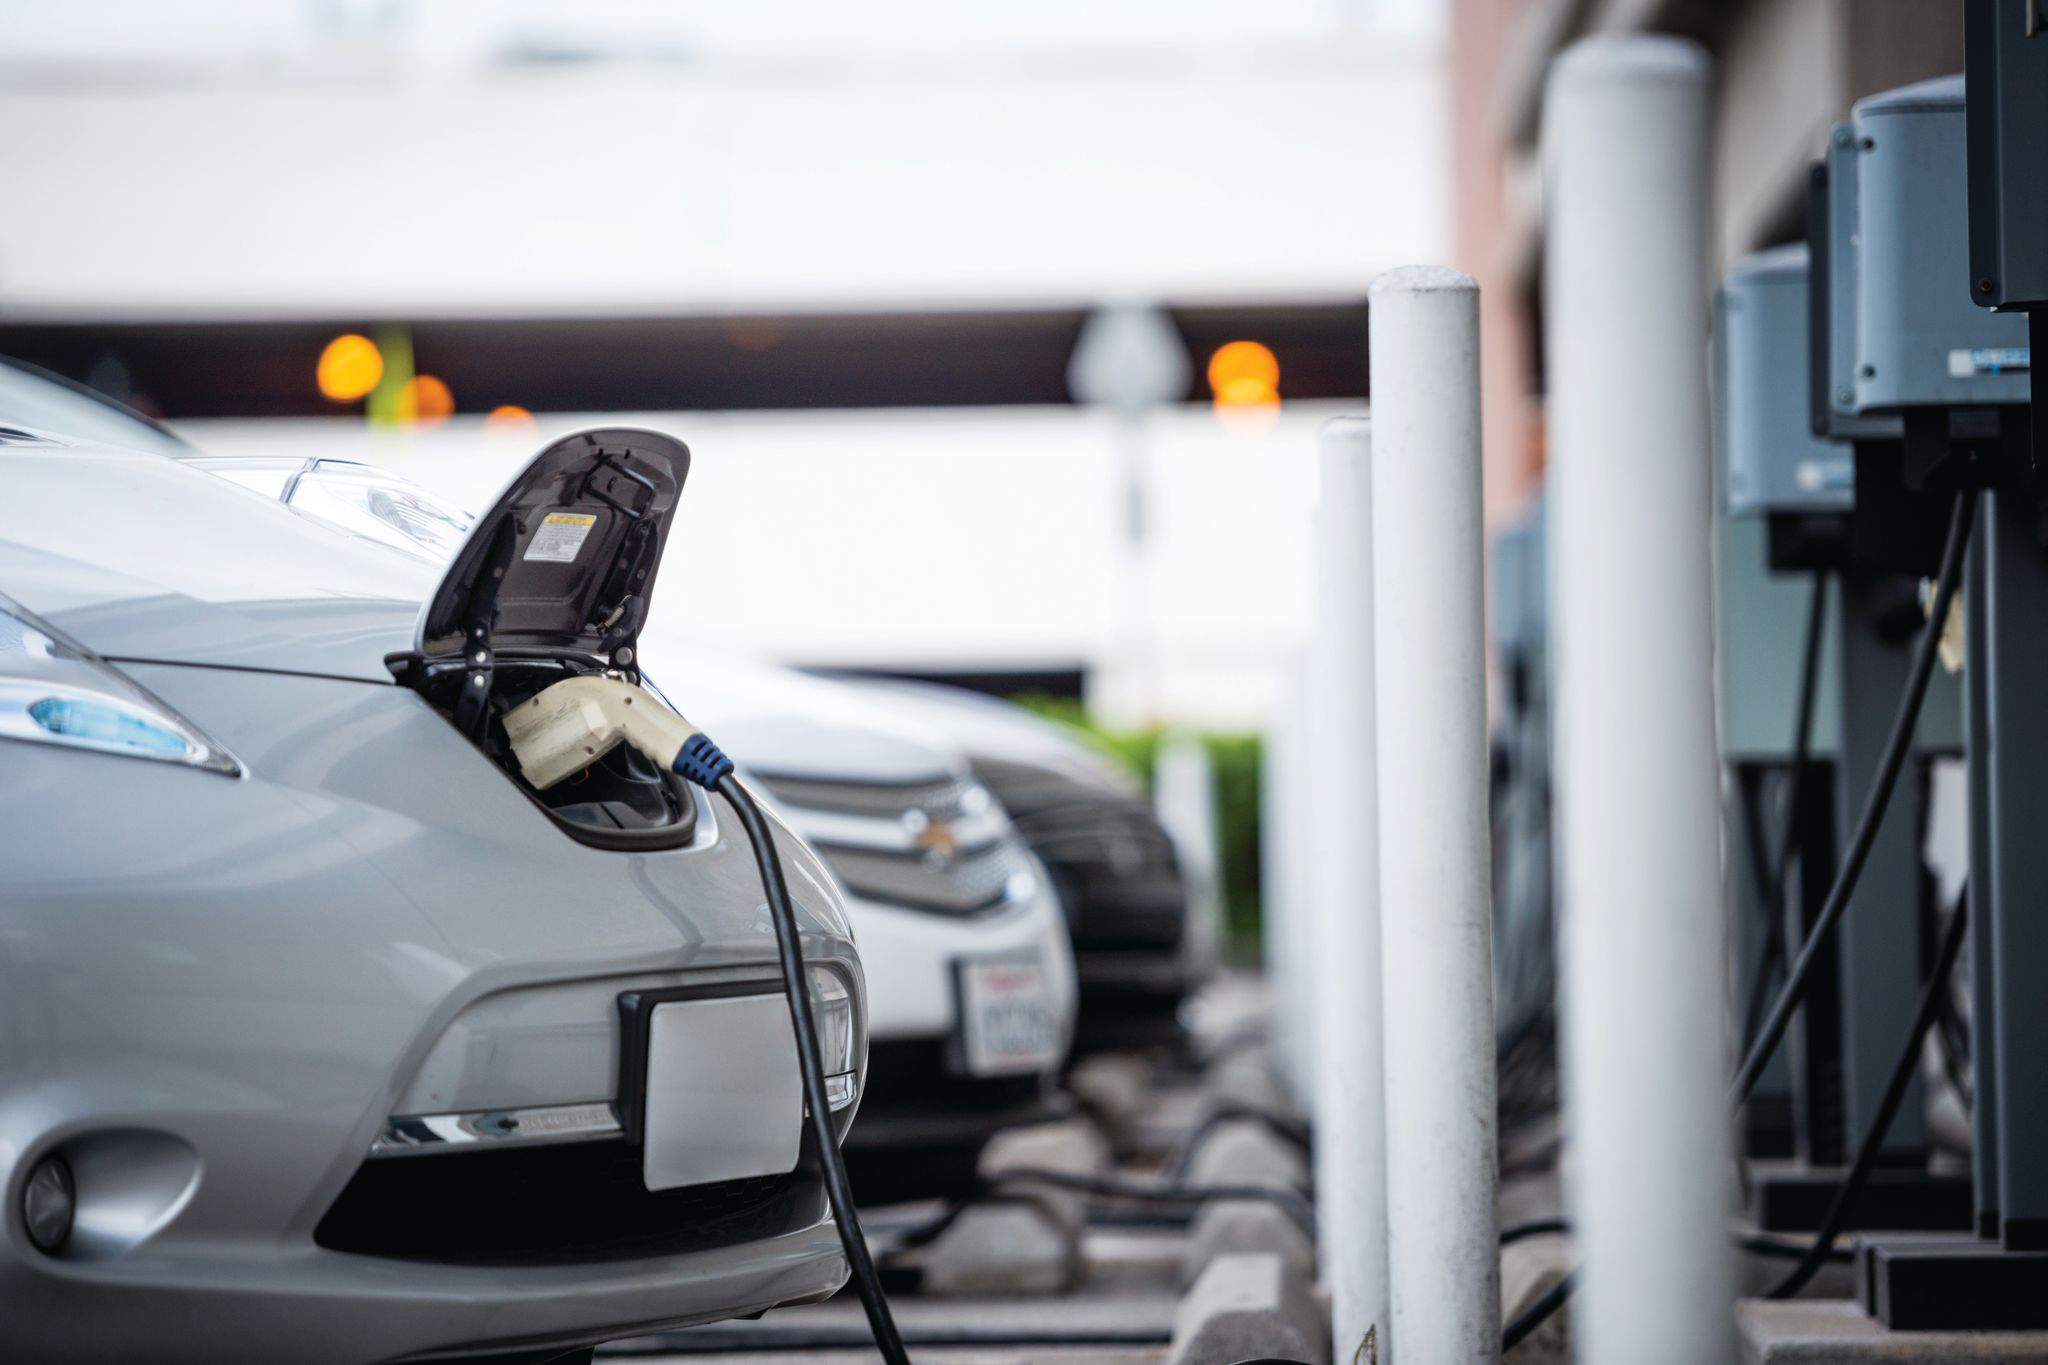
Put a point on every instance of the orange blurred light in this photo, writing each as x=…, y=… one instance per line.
x=1245, y=368
x=509, y=417
x=425, y=401
x=349, y=368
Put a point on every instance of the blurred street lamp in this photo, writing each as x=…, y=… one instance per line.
x=1244, y=380
x=349, y=368
x=509, y=417
x=425, y=401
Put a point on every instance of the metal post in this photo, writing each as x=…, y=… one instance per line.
x=1436, y=920
x=2017, y=652
x=1283, y=809
x=1982, y=891
x=1879, y=942
x=1645, y=1061
x=1343, y=878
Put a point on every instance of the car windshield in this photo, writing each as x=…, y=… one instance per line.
x=44, y=402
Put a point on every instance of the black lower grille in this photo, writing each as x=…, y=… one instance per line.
x=574, y=1202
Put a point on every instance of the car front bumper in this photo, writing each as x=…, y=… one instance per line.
x=219, y=992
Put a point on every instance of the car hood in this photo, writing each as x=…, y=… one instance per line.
x=999, y=732
x=138, y=557
x=778, y=722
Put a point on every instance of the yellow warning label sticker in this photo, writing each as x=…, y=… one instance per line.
x=560, y=538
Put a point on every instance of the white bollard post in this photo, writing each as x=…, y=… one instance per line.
x=1284, y=927
x=1343, y=882
x=1184, y=795
x=1625, y=133
x=1436, y=916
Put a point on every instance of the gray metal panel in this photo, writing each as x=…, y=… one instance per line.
x=1761, y=634
x=1920, y=340
x=1770, y=459
x=1760, y=631
x=1843, y=421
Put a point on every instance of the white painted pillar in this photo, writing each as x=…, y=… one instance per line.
x=1284, y=929
x=1436, y=920
x=1184, y=795
x=1343, y=882
x=1626, y=268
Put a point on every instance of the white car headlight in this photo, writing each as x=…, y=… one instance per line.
x=838, y=1040
x=381, y=506
x=55, y=692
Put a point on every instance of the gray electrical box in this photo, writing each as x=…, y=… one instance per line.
x=1770, y=459
x=1834, y=276
x=1920, y=340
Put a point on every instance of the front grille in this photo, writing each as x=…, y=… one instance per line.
x=967, y=883
x=945, y=799
x=577, y=1202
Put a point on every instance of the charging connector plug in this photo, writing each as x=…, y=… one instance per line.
x=563, y=729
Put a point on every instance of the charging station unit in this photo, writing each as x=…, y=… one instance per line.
x=1955, y=377
x=1794, y=525
x=1774, y=475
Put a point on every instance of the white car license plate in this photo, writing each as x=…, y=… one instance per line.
x=1007, y=1024
x=724, y=1097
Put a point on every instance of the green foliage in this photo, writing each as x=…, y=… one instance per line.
x=1234, y=761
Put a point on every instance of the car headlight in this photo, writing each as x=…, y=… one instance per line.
x=838, y=1040
x=380, y=506
x=55, y=692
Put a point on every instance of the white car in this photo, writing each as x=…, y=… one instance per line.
x=970, y=969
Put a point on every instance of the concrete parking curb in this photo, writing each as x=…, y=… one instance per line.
x=1028, y=1242
x=1247, y=1307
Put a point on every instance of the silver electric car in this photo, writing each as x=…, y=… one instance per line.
x=323, y=1037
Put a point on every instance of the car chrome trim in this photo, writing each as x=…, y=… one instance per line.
x=415, y=1133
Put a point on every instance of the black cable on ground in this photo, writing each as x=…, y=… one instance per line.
x=1294, y=1203
x=1285, y=1126
x=1880, y=1123
x=838, y=1189
x=1760, y=1243
x=1537, y=1313
x=1897, y=744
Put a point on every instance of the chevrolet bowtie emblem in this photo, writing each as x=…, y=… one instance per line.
x=937, y=840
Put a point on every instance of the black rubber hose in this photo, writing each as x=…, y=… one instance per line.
x=1294, y=1203
x=1537, y=1313
x=1897, y=745
x=1887, y=1110
x=838, y=1189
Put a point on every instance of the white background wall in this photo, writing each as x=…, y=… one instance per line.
x=939, y=539
x=345, y=159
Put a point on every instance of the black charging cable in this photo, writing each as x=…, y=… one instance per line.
x=1897, y=745
x=1872, y=1144
x=703, y=763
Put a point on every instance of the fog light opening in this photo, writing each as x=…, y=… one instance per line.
x=49, y=1205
